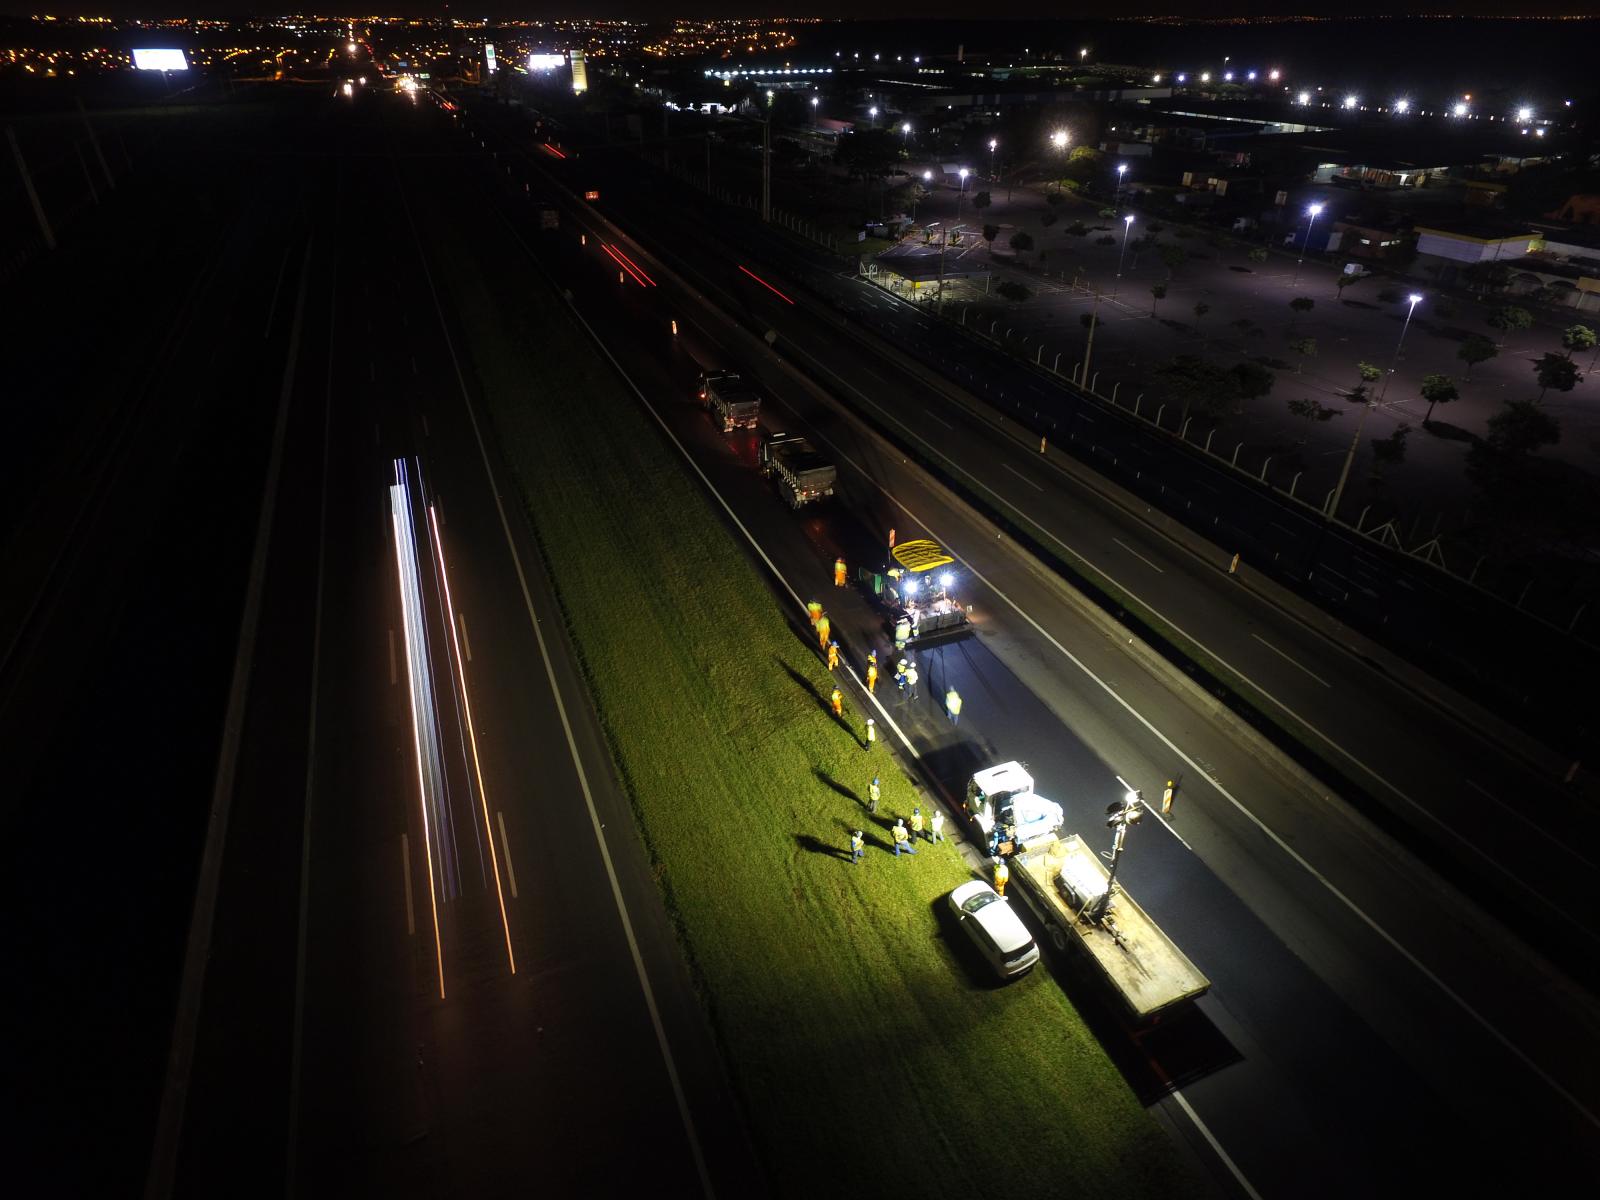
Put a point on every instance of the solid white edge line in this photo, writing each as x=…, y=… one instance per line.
x=1291, y=661
x=1038, y=487
x=405, y=863
x=1216, y=1146
x=566, y=726
x=505, y=845
x=1140, y=557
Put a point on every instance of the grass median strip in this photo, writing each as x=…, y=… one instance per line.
x=868, y=1055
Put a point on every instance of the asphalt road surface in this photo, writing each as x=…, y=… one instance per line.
x=1355, y=1027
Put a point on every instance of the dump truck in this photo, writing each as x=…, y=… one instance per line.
x=732, y=403
x=801, y=474
x=1062, y=880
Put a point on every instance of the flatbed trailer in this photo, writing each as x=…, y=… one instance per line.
x=1142, y=967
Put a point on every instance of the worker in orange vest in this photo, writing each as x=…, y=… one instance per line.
x=838, y=572
x=833, y=656
x=837, y=700
x=824, y=627
x=814, y=611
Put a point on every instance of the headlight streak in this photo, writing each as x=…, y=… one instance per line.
x=472, y=736
x=429, y=773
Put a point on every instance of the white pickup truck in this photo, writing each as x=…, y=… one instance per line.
x=1007, y=811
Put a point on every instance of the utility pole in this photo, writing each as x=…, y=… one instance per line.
x=766, y=168
x=33, y=196
x=1350, y=455
x=944, y=240
x=1088, y=350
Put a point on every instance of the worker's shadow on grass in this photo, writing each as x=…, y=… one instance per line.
x=807, y=687
x=817, y=846
x=837, y=786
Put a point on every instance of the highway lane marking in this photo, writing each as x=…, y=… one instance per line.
x=394, y=678
x=1293, y=855
x=940, y=421
x=405, y=866
x=1216, y=1146
x=1038, y=487
x=1291, y=661
x=1139, y=556
x=1554, y=841
x=668, y=1060
x=466, y=642
x=505, y=844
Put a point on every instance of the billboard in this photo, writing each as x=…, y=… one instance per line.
x=580, y=73
x=546, y=62
x=488, y=57
x=159, y=60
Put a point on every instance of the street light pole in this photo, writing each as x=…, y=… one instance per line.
x=1122, y=170
x=1059, y=140
x=815, y=100
x=1088, y=349
x=1311, y=216
x=1350, y=455
x=963, y=173
x=1127, y=227
x=905, y=136
x=994, y=145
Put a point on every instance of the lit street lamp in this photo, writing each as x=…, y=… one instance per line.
x=1122, y=171
x=815, y=100
x=1127, y=228
x=963, y=173
x=1059, y=140
x=994, y=144
x=1350, y=456
x=873, y=113
x=1311, y=216
x=905, y=135
x=927, y=178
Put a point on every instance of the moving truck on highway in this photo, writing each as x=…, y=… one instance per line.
x=732, y=403
x=802, y=475
x=1125, y=950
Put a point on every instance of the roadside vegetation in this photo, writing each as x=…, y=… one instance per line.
x=870, y=1055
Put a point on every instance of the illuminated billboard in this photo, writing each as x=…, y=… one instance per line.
x=488, y=57
x=546, y=62
x=159, y=60
x=580, y=73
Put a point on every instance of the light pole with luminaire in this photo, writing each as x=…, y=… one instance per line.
x=1059, y=140
x=1122, y=171
x=1311, y=216
x=873, y=113
x=1127, y=228
x=994, y=144
x=964, y=172
x=1350, y=456
x=927, y=178
x=815, y=100
x=905, y=135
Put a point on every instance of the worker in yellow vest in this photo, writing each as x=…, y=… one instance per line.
x=858, y=847
x=833, y=656
x=824, y=627
x=952, y=705
x=814, y=611
x=837, y=700
x=872, y=675
x=872, y=733
x=1001, y=874
x=874, y=793
x=916, y=822
x=902, y=839
x=838, y=572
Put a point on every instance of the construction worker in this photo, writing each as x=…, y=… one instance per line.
x=936, y=826
x=902, y=633
x=837, y=700
x=872, y=733
x=1166, y=797
x=833, y=656
x=952, y=705
x=824, y=626
x=838, y=572
x=1001, y=874
x=874, y=793
x=911, y=679
x=900, y=674
x=902, y=839
x=872, y=658
x=872, y=675
x=814, y=611
x=916, y=822
x=858, y=847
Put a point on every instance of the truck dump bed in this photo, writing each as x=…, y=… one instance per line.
x=1143, y=966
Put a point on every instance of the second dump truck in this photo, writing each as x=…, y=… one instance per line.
x=732, y=403
x=801, y=474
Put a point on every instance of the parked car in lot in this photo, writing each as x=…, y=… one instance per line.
x=997, y=931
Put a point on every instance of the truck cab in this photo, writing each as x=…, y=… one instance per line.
x=1001, y=802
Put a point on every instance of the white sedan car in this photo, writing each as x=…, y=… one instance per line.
x=994, y=928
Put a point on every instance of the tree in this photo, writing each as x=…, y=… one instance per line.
x=1251, y=381
x=1312, y=410
x=1577, y=337
x=1343, y=282
x=1021, y=241
x=1300, y=305
x=1390, y=451
x=1305, y=348
x=1012, y=290
x=981, y=201
x=1556, y=371
x=867, y=154
x=1368, y=372
x=1158, y=293
x=1196, y=384
x=1172, y=257
x=1521, y=428
x=990, y=232
x=1508, y=319
x=1476, y=349
x=1437, y=389
x=1257, y=254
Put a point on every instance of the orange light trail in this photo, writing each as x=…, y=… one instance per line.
x=472, y=736
x=766, y=285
